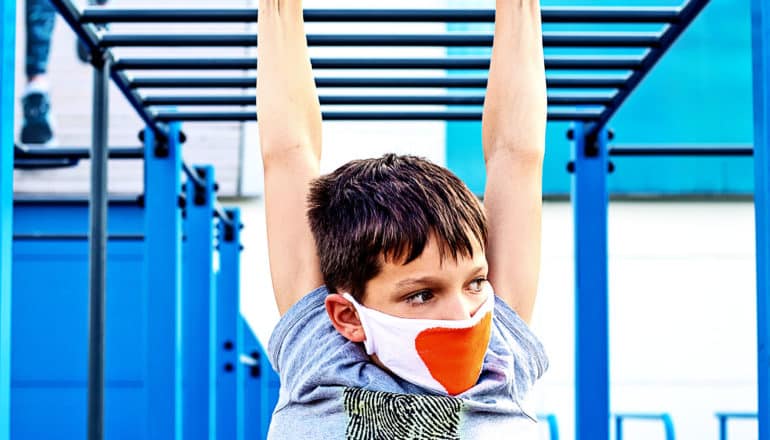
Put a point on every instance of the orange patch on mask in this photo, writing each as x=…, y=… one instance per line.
x=454, y=356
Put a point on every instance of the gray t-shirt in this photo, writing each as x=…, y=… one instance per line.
x=331, y=390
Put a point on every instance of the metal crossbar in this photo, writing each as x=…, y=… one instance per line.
x=549, y=15
x=552, y=62
x=618, y=75
x=550, y=39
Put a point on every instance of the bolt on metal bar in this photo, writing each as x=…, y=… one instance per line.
x=550, y=39
x=88, y=36
x=549, y=15
x=687, y=14
x=554, y=115
x=97, y=267
x=566, y=82
x=250, y=100
x=620, y=62
x=196, y=180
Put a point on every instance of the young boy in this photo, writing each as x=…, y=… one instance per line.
x=404, y=339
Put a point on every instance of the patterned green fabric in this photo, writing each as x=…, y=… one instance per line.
x=375, y=415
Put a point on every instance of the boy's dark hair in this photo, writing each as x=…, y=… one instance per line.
x=385, y=209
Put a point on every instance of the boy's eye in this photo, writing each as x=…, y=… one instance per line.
x=478, y=284
x=420, y=297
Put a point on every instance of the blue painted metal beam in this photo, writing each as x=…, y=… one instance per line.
x=163, y=233
x=760, y=20
x=590, y=205
x=199, y=309
x=686, y=16
x=7, y=47
x=229, y=374
x=665, y=418
x=549, y=15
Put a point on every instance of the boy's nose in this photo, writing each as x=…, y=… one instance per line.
x=458, y=307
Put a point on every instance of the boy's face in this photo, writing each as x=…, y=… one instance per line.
x=429, y=288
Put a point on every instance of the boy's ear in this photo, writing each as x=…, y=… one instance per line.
x=344, y=318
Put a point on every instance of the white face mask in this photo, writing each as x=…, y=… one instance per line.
x=440, y=355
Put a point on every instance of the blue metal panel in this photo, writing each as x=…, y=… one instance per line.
x=199, y=310
x=50, y=339
x=590, y=200
x=163, y=286
x=260, y=387
x=46, y=216
x=7, y=46
x=229, y=375
x=761, y=36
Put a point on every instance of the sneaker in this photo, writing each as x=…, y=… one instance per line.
x=37, y=127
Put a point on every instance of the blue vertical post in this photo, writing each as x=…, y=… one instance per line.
x=7, y=46
x=590, y=203
x=760, y=19
x=229, y=376
x=199, y=309
x=163, y=226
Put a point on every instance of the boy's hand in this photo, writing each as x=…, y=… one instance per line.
x=513, y=130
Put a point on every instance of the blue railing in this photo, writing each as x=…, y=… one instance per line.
x=725, y=417
x=668, y=424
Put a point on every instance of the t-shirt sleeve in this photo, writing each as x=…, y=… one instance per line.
x=303, y=341
x=530, y=359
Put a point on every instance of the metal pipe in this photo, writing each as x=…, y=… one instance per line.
x=631, y=151
x=98, y=250
x=566, y=82
x=88, y=36
x=77, y=153
x=553, y=115
x=549, y=15
x=250, y=100
x=619, y=62
x=550, y=39
x=687, y=14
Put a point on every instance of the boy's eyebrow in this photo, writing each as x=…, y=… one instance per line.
x=406, y=282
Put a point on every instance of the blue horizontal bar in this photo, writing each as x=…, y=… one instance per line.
x=556, y=115
x=568, y=82
x=76, y=153
x=549, y=15
x=685, y=151
x=619, y=62
x=550, y=39
x=250, y=100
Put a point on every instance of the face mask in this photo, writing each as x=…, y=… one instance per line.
x=441, y=355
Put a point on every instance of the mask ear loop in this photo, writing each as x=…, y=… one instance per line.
x=361, y=311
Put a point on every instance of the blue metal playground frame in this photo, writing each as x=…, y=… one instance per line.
x=761, y=66
x=172, y=358
x=7, y=47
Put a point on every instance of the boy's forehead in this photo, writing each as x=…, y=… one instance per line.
x=432, y=264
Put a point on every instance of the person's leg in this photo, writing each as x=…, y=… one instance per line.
x=40, y=19
x=41, y=16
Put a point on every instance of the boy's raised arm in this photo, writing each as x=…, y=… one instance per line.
x=289, y=118
x=513, y=130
